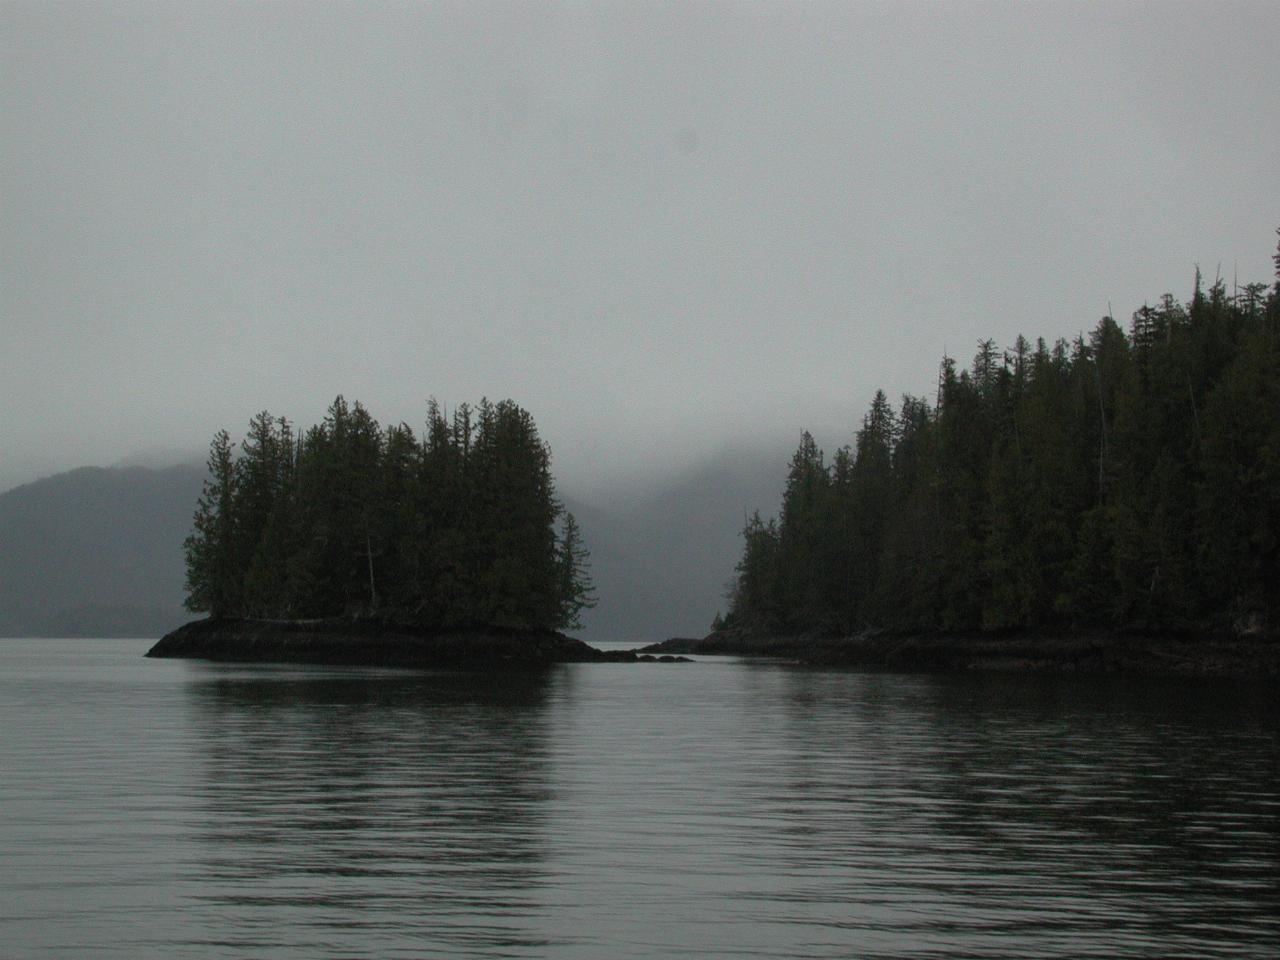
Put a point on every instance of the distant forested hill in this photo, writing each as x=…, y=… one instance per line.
x=95, y=552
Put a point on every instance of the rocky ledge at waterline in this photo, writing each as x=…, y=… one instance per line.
x=1243, y=657
x=375, y=643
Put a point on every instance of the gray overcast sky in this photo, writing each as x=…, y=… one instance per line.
x=661, y=228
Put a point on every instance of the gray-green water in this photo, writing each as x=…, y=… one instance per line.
x=728, y=809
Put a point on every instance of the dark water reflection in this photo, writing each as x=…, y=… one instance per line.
x=406, y=807
x=719, y=809
x=1045, y=817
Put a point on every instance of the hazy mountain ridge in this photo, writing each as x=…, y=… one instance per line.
x=97, y=551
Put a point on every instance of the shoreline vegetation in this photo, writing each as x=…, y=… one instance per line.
x=351, y=543
x=349, y=521
x=1084, y=504
x=1105, y=505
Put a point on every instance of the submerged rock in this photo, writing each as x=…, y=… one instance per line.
x=377, y=644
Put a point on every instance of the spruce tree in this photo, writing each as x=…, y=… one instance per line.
x=574, y=586
x=212, y=570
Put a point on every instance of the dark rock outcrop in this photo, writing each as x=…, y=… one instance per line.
x=375, y=643
x=1062, y=652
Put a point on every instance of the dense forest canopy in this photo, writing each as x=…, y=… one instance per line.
x=1120, y=480
x=460, y=527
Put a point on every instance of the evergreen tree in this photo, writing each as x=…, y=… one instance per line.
x=756, y=596
x=263, y=473
x=456, y=529
x=1238, y=481
x=802, y=539
x=871, y=494
x=211, y=548
x=397, y=517
x=909, y=586
x=575, y=586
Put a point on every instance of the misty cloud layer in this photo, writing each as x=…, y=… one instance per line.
x=661, y=228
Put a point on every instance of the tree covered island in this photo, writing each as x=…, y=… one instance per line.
x=332, y=543
x=1120, y=484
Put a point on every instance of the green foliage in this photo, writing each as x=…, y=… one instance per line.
x=212, y=582
x=575, y=584
x=458, y=528
x=755, y=597
x=1122, y=480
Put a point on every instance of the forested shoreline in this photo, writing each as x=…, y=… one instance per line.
x=1125, y=480
x=458, y=528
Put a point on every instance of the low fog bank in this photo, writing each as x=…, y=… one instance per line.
x=662, y=555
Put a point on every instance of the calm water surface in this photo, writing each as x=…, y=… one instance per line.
x=717, y=809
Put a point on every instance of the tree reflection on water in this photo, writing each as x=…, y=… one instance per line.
x=410, y=805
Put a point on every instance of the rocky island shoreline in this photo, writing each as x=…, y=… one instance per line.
x=377, y=643
x=1235, y=657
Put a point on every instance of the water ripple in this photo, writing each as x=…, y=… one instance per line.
x=722, y=809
